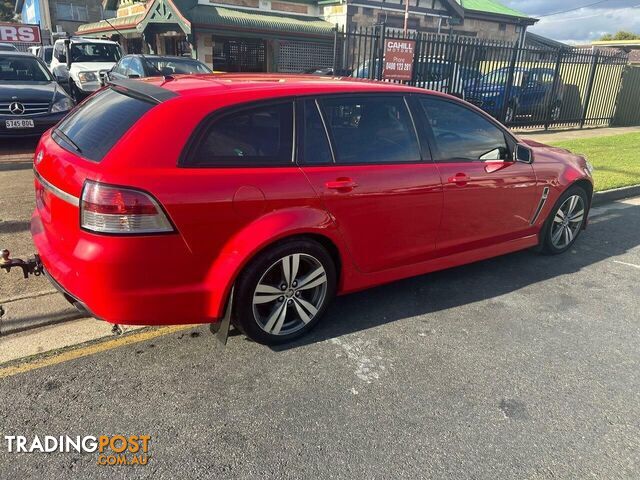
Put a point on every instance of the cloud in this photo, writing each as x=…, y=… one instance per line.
x=583, y=25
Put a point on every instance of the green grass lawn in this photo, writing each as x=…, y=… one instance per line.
x=616, y=158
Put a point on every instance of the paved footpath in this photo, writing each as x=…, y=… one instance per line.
x=551, y=136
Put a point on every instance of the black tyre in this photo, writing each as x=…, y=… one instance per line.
x=566, y=220
x=74, y=92
x=284, y=291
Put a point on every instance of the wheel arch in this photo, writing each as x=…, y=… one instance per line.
x=302, y=223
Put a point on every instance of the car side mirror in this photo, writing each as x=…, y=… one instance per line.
x=523, y=154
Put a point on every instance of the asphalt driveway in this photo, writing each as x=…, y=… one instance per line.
x=523, y=366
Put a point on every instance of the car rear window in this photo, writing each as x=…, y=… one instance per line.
x=94, y=128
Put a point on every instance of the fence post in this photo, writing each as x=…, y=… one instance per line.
x=380, y=66
x=587, y=99
x=507, y=91
x=335, y=49
x=554, y=88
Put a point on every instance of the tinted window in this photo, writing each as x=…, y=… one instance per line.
x=170, y=66
x=100, y=122
x=95, y=52
x=462, y=134
x=254, y=136
x=315, y=145
x=23, y=69
x=370, y=129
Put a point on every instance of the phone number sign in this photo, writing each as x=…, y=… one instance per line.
x=398, y=59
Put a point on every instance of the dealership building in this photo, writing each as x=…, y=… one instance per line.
x=285, y=35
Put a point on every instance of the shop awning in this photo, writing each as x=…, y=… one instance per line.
x=265, y=21
x=124, y=25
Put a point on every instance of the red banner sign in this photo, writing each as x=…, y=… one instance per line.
x=19, y=33
x=398, y=59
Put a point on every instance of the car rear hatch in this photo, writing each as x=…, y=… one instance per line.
x=72, y=153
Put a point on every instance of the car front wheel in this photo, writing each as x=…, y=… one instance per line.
x=566, y=220
x=284, y=291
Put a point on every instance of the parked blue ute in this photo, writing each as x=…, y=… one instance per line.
x=532, y=94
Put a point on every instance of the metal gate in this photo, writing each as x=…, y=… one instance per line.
x=520, y=86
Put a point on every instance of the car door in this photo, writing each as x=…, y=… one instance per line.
x=488, y=198
x=533, y=96
x=363, y=158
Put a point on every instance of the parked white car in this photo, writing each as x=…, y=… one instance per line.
x=78, y=63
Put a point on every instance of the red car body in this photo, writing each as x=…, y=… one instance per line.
x=379, y=222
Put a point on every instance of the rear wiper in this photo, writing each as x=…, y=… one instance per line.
x=64, y=137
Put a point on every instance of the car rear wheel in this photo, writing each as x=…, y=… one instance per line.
x=566, y=221
x=284, y=291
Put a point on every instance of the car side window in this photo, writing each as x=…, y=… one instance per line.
x=463, y=135
x=315, y=144
x=256, y=136
x=370, y=129
x=135, y=67
x=59, y=53
x=121, y=67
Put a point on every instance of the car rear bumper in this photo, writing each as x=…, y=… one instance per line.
x=41, y=124
x=128, y=281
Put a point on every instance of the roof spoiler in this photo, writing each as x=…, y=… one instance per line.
x=145, y=91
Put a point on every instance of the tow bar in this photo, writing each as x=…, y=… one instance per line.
x=30, y=266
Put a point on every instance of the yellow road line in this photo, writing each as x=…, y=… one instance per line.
x=92, y=349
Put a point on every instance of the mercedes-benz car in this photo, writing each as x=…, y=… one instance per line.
x=257, y=198
x=31, y=101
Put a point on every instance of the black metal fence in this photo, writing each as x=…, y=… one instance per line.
x=519, y=85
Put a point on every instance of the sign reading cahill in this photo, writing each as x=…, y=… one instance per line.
x=398, y=59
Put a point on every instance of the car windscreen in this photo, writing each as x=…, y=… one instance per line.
x=95, y=127
x=501, y=77
x=433, y=71
x=95, y=52
x=22, y=69
x=169, y=66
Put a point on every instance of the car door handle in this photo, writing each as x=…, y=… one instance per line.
x=341, y=184
x=460, y=179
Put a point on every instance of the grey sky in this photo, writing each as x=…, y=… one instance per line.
x=582, y=25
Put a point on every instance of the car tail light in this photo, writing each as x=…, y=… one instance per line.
x=112, y=209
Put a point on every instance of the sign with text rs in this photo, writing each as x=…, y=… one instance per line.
x=19, y=33
x=398, y=59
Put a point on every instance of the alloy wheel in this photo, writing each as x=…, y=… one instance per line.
x=289, y=294
x=567, y=222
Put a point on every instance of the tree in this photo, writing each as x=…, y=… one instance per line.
x=6, y=11
x=621, y=35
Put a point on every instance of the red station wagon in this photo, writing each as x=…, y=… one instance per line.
x=260, y=197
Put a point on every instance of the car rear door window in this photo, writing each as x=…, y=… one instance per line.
x=95, y=127
x=370, y=129
x=255, y=136
x=315, y=144
x=462, y=134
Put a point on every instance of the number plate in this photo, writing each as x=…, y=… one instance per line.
x=19, y=123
